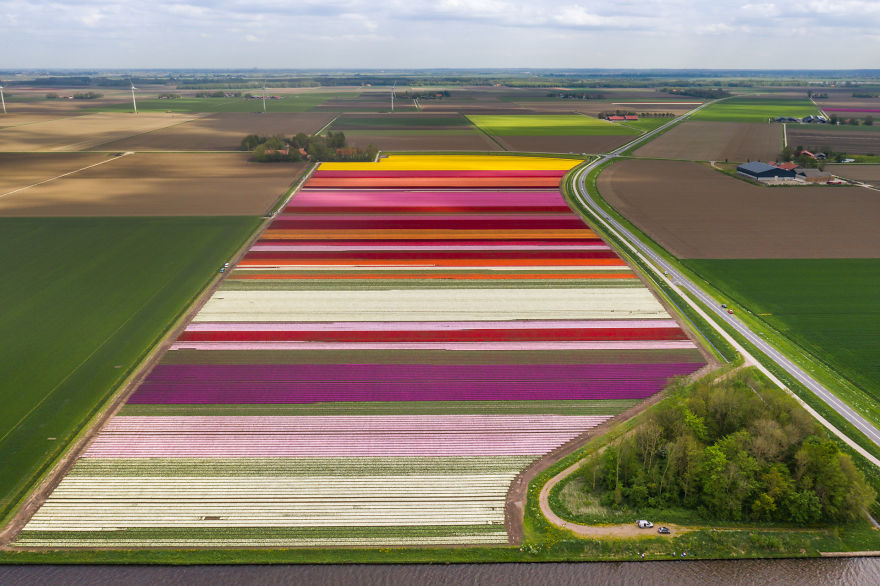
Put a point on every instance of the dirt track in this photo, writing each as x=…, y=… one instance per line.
x=717, y=141
x=696, y=212
x=157, y=184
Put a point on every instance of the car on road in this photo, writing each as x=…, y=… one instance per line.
x=664, y=531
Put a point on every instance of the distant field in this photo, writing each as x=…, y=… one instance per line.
x=839, y=139
x=84, y=300
x=755, y=110
x=422, y=140
x=827, y=305
x=80, y=133
x=401, y=122
x=221, y=131
x=548, y=125
x=867, y=173
x=152, y=184
x=288, y=103
x=717, y=141
x=695, y=211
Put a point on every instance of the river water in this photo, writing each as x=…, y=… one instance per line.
x=828, y=571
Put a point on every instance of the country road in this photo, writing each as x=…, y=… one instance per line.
x=680, y=283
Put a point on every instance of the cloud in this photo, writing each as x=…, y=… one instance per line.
x=447, y=33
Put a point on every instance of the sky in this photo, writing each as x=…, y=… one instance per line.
x=294, y=34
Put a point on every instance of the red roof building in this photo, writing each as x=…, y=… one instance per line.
x=615, y=118
x=631, y=117
x=787, y=166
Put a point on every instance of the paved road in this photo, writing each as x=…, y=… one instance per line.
x=679, y=281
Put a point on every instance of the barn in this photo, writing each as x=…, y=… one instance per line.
x=758, y=170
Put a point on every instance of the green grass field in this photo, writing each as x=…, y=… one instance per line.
x=646, y=124
x=289, y=103
x=755, y=110
x=828, y=306
x=84, y=299
x=548, y=125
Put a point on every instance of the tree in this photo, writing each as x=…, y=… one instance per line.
x=869, y=121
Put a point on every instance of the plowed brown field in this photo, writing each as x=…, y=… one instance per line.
x=867, y=173
x=18, y=170
x=221, y=132
x=424, y=141
x=156, y=184
x=717, y=141
x=854, y=142
x=696, y=212
x=80, y=133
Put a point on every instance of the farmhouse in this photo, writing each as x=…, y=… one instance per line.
x=758, y=170
x=813, y=175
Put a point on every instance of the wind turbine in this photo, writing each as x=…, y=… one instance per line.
x=133, y=101
x=2, y=99
x=264, y=96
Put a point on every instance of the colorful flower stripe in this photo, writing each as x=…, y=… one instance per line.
x=445, y=173
x=455, y=163
x=430, y=325
x=482, y=335
x=463, y=222
x=376, y=200
x=410, y=216
x=440, y=346
x=434, y=182
x=394, y=234
x=438, y=275
x=346, y=383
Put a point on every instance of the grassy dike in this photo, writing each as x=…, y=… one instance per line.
x=816, y=368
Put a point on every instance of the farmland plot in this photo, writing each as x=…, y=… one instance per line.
x=404, y=339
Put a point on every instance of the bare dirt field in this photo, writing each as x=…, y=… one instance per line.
x=593, y=107
x=424, y=141
x=717, y=141
x=854, y=142
x=697, y=212
x=564, y=144
x=79, y=133
x=159, y=184
x=221, y=132
x=867, y=173
x=22, y=169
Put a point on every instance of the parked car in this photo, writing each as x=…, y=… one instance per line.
x=730, y=311
x=724, y=306
x=644, y=524
x=664, y=531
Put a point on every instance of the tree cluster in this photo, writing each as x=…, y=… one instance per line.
x=865, y=95
x=707, y=93
x=87, y=96
x=329, y=147
x=576, y=95
x=735, y=450
x=608, y=113
x=218, y=94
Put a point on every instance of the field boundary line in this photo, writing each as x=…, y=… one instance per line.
x=14, y=191
x=326, y=126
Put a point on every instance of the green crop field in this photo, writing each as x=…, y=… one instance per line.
x=647, y=124
x=84, y=299
x=548, y=125
x=828, y=306
x=755, y=110
x=289, y=103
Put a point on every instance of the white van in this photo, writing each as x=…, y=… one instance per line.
x=644, y=524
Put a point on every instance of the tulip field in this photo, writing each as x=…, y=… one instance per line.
x=405, y=338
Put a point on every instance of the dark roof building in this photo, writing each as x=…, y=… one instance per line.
x=758, y=170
